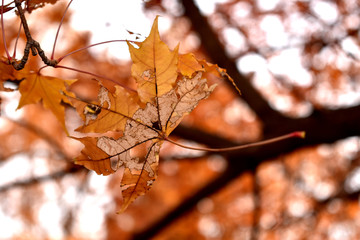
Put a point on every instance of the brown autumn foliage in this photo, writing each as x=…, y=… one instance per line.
x=293, y=189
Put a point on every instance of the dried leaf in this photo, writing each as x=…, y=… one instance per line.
x=140, y=172
x=7, y=72
x=112, y=111
x=182, y=100
x=188, y=65
x=102, y=163
x=218, y=71
x=169, y=87
x=146, y=128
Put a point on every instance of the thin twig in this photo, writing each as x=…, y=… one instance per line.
x=96, y=75
x=297, y=134
x=30, y=43
x=16, y=41
x=3, y=30
x=92, y=45
x=58, y=30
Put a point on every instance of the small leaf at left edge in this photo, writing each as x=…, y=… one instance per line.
x=50, y=90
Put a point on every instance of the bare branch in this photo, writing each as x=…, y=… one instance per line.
x=30, y=44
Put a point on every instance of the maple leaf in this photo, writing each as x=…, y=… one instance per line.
x=154, y=66
x=218, y=71
x=148, y=126
x=169, y=87
x=188, y=65
x=102, y=165
x=110, y=114
x=50, y=90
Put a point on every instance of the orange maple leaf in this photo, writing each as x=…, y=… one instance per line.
x=110, y=114
x=154, y=66
x=188, y=65
x=50, y=90
x=102, y=165
x=169, y=87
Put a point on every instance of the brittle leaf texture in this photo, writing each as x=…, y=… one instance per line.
x=102, y=165
x=111, y=112
x=218, y=71
x=138, y=149
x=188, y=65
x=128, y=152
x=181, y=100
x=154, y=66
x=137, y=182
x=169, y=87
x=50, y=90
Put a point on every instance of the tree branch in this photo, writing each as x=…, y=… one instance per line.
x=30, y=44
x=35, y=180
x=331, y=126
x=326, y=126
x=215, y=50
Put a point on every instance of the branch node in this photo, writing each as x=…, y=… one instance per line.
x=31, y=44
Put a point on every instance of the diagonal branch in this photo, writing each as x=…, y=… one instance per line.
x=215, y=50
x=319, y=130
x=238, y=163
x=49, y=177
x=325, y=126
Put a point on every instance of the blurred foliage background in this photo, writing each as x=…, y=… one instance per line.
x=297, y=65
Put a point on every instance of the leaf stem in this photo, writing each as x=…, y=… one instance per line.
x=96, y=75
x=58, y=30
x=297, y=134
x=16, y=41
x=3, y=30
x=92, y=45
